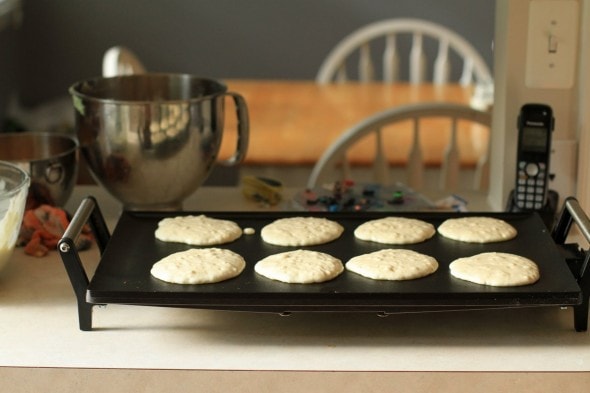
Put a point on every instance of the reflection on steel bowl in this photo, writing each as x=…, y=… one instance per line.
x=152, y=139
x=50, y=159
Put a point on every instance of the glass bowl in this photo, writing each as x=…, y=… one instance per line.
x=14, y=187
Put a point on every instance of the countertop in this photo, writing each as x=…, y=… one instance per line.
x=143, y=348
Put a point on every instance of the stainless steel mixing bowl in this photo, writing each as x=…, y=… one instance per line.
x=152, y=139
x=50, y=159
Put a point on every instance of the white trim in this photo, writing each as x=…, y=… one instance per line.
x=583, y=120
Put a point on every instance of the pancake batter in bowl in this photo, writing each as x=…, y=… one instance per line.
x=14, y=185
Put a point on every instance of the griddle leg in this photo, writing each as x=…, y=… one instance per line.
x=581, y=311
x=581, y=317
x=88, y=210
x=85, y=316
x=79, y=281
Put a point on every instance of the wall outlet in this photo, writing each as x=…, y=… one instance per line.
x=552, y=44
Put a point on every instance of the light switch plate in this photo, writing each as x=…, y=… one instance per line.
x=552, y=44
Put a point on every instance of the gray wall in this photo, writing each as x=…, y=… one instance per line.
x=62, y=41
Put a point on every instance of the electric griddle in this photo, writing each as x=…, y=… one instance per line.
x=123, y=273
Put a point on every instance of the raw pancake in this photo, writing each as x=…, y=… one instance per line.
x=199, y=266
x=197, y=230
x=496, y=269
x=390, y=264
x=300, y=267
x=301, y=231
x=477, y=229
x=395, y=230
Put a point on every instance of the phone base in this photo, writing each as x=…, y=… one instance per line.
x=548, y=212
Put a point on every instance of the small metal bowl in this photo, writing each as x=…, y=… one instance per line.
x=51, y=160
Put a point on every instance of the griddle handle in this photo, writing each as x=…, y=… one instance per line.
x=88, y=211
x=570, y=213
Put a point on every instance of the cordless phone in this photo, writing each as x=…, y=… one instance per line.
x=535, y=124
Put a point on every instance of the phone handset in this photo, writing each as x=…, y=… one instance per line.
x=535, y=124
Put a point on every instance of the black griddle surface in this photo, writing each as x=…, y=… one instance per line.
x=123, y=275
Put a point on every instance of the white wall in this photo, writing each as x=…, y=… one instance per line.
x=583, y=120
x=511, y=93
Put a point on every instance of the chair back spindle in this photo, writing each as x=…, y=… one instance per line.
x=390, y=60
x=366, y=68
x=451, y=163
x=417, y=61
x=380, y=163
x=442, y=67
x=415, y=165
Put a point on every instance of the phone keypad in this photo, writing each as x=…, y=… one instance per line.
x=530, y=185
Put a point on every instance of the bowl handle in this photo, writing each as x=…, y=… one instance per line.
x=243, y=130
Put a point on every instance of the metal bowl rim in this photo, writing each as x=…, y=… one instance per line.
x=44, y=134
x=74, y=89
x=24, y=183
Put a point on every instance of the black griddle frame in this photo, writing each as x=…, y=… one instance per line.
x=578, y=261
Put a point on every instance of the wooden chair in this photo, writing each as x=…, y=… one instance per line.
x=384, y=34
x=362, y=45
x=424, y=118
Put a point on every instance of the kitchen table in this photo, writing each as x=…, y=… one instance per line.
x=293, y=122
x=152, y=349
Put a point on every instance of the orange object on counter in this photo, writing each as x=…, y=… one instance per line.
x=43, y=227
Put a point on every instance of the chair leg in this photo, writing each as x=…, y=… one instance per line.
x=481, y=178
x=415, y=166
x=381, y=165
x=450, y=165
